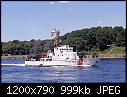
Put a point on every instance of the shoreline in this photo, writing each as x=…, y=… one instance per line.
x=113, y=58
x=15, y=57
x=26, y=56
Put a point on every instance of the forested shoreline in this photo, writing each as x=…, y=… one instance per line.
x=84, y=40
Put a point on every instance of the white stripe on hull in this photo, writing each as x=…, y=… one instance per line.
x=86, y=62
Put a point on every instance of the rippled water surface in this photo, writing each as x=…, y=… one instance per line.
x=107, y=70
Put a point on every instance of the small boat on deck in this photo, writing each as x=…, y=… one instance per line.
x=63, y=55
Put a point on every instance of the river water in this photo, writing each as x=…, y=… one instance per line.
x=107, y=71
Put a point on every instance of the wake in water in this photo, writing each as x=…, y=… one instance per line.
x=13, y=64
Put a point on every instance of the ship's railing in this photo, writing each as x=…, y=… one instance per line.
x=45, y=59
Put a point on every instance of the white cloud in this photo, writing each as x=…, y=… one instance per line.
x=99, y=22
x=51, y=2
x=64, y=1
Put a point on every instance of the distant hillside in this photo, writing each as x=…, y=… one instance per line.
x=84, y=40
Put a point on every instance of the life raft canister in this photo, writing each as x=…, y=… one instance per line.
x=80, y=61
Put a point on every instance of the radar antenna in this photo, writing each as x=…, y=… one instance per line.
x=56, y=34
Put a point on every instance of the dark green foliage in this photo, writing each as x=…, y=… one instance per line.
x=95, y=38
x=119, y=36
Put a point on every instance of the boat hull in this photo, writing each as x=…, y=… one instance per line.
x=86, y=62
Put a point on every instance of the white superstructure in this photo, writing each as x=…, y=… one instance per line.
x=63, y=53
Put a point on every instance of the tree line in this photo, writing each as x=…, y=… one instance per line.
x=94, y=38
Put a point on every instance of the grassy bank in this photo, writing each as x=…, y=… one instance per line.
x=113, y=52
x=14, y=57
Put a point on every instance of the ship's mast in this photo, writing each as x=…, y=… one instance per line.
x=56, y=34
